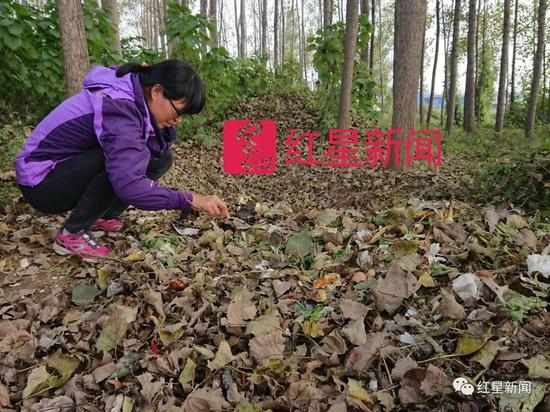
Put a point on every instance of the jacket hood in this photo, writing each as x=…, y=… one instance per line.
x=105, y=78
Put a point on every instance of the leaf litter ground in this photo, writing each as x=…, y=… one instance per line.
x=327, y=290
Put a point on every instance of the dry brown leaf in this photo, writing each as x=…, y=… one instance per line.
x=267, y=346
x=397, y=285
x=241, y=308
x=352, y=309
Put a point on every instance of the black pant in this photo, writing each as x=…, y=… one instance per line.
x=81, y=184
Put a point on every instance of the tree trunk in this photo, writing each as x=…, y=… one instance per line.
x=421, y=103
x=293, y=31
x=264, y=28
x=365, y=12
x=382, y=85
x=327, y=9
x=410, y=20
x=503, y=68
x=446, y=34
x=243, y=28
x=283, y=37
x=371, y=52
x=237, y=29
x=275, y=35
x=204, y=13
x=212, y=13
x=537, y=66
x=112, y=14
x=469, y=95
x=73, y=41
x=344, y=120
x=432, y=90
x=513, y=80
x=451, y=100
x=303, y=43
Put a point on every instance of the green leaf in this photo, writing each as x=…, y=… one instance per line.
x=84, y=294
x=299, y=244
x=116, y=327
x=519, y=306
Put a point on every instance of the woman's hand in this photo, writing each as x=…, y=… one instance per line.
x=212, y=205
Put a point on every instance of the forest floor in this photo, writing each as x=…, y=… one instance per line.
x=328, y=289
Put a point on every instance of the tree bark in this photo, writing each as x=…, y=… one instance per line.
x=514, y=48
x=537, y=66
x=469, y=95
x=503, y=68
x=344, y=120
x=204, y=13
x=365, y=12
x=237, y=29
x=112, y=14
x=303, y=42
x=327, y=13
x=283, y=21
x=212, y=12
x=410, y=19
x=73, y=41
x=243, y=28
x=451, y=100
x=371, y=52
x=275, y=35
x=421, y=103
x=434, y=71
x=264, y=28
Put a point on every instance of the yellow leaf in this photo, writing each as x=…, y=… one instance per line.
x=320, y=296
x=468, y=344
x=426, y=280
x=449, y=217
x=356, y=390
x=134, y=257
x=103, y=278
x=187, y=375
x=312, y=329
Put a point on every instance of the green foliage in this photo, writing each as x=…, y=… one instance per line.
x=519, y=306
x=328, y=49
x=32, y=76
x=134, y=50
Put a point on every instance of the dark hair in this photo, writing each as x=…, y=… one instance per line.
x=178, y=79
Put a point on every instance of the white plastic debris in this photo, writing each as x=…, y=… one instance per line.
x=467, y=286
x=364, y=260
x=407, y=339
x=432, y=253
x=538, y=263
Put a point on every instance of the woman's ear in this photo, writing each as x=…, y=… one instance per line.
x=156, y=92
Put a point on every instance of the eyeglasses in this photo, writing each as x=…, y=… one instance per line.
x=179, y=112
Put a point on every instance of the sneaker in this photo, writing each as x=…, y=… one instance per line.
x=81, y=244
x=109, y=225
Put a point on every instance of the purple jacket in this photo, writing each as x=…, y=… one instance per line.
x=110, y=113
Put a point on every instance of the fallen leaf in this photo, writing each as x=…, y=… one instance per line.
x=435, y=382
x=116, y=327
x=356, y=390
x=355, y=331
x=84, y=294
x=187, y=375
x=397, y=285
x=267, y=346
x=240, y=308
x=539, y=367
x=223, y=356
x=487, y=353
x=352, y=309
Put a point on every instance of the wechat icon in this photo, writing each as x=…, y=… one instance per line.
x=462, y=385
